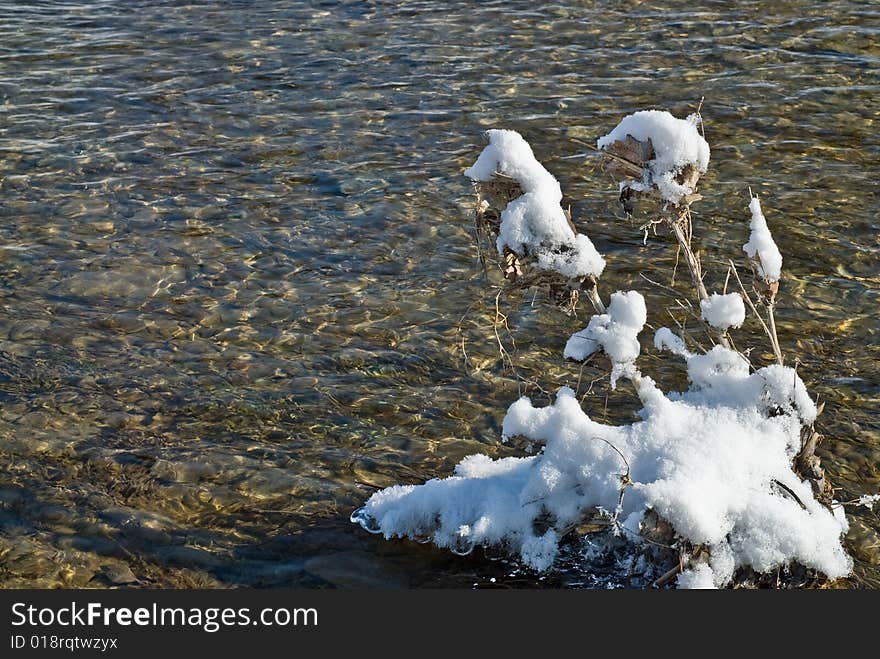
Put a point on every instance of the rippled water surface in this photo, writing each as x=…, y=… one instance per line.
x=239, y=286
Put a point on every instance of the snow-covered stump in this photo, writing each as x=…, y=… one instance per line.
x=519, y=207
x=655, y=155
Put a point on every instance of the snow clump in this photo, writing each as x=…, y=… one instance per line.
x=615, y=332
x=723, y=311
x=534, y=224
x=714, y=461
x=761, y=248
x=677, y=143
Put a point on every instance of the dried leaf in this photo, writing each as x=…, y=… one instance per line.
x=628, y=157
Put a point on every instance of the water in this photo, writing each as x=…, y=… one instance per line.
x=238, y=273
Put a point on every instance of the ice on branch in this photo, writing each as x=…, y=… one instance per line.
x=761, y=248
x=723, y=311
x=657, y=149
x=534, y=224
x=615, y=332
x=714, y=461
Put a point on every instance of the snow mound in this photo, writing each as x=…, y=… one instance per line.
x=615, y=332
x=723, y=311
x=534, y=224
x=761, y=248
x=677, y=143
x=714, y=461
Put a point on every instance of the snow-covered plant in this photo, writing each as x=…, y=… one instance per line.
x=761, y=248
x=710, y=483
x=657, y=152
x=615, y=332
x=521, y=202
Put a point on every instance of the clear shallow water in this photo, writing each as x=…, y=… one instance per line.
x=235, y=255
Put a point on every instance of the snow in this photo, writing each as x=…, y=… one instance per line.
x=532, y=219
x=574, y=263
x=509, y=154
x=714, y=461
x=665, y=339
x=706, y=459
x=699, y=577
x=677, y=144
x=868, y=500
x=723, y=311
x=761, y=248
x=615, y=332
x=534, y=224
x=722, y=377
